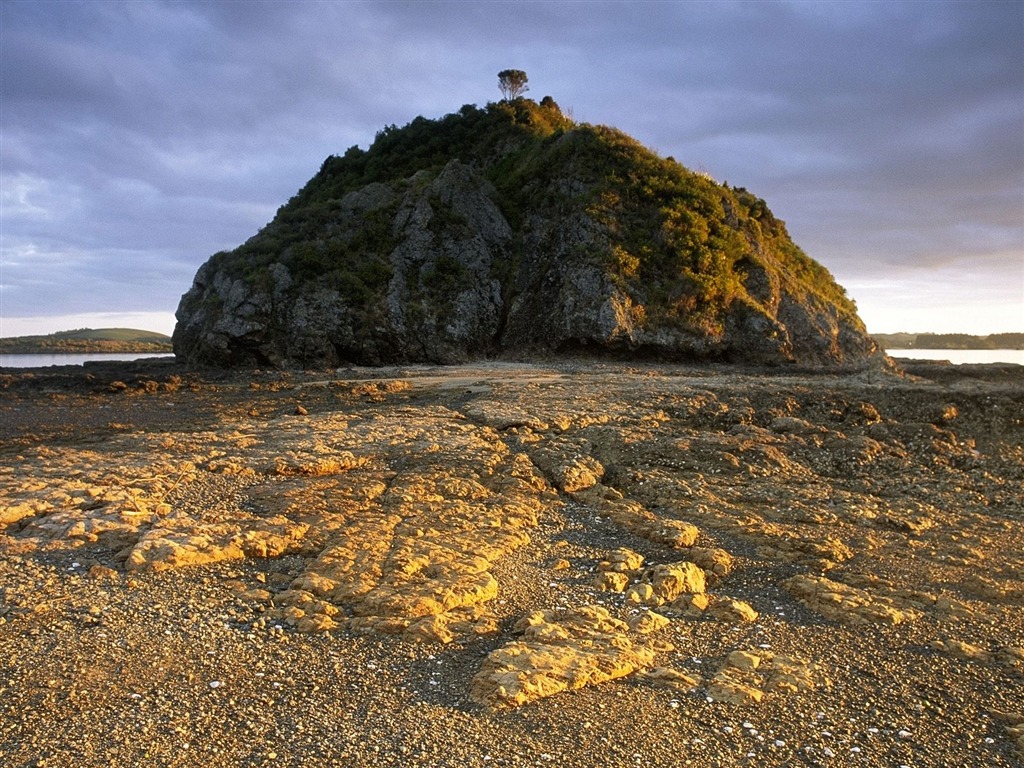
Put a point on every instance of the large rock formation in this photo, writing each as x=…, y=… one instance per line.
x=512, y=230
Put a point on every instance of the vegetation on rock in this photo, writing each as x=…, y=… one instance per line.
x=511, y=229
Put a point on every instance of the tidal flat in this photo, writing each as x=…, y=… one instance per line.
x=569, y=563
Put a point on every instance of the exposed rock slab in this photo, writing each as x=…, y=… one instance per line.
x=846, y=604
x=558, y=651
x=747, y=676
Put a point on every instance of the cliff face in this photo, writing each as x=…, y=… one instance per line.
x=511, y=230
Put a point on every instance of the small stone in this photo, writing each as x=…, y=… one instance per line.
x=733, y=692
x=690, y=605
x=611, y=581
x=732, y=610
x=666, y=677
x=103, y=573
x=673, y=579
x=622, y=559
x=648, y=622
x=641, y=593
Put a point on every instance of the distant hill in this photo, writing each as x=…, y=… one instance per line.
x=84, y=340
x=949, y=341
x=511, y=230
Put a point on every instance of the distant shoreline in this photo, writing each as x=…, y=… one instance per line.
x=89, y=341
x=957, y=357
x=952, y=341
x=86, y=349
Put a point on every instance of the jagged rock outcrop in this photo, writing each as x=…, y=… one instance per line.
x=512, y=230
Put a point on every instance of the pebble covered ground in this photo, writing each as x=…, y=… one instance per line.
x=574, y=564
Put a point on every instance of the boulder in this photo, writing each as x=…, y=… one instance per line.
x=559, y=650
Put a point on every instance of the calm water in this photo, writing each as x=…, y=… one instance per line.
x=953, y=355
x=959, y=356
x=41, y=361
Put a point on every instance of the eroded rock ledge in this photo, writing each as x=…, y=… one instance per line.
x=572, y=527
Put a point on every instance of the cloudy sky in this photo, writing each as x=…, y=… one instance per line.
x=138, y=138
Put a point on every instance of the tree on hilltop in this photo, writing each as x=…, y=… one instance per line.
x=512, y=83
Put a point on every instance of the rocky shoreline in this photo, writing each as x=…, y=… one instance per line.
x=570, y=563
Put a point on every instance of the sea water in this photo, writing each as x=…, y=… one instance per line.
x=43, y=361
x=960, y=356
x=956, y=356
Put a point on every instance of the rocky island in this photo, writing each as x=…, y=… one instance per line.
x=665, y=503
x=512, y=230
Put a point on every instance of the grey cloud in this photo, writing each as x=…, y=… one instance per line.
x=155, y=133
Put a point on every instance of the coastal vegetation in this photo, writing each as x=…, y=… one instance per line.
x=88, y=340
x=679, y=241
